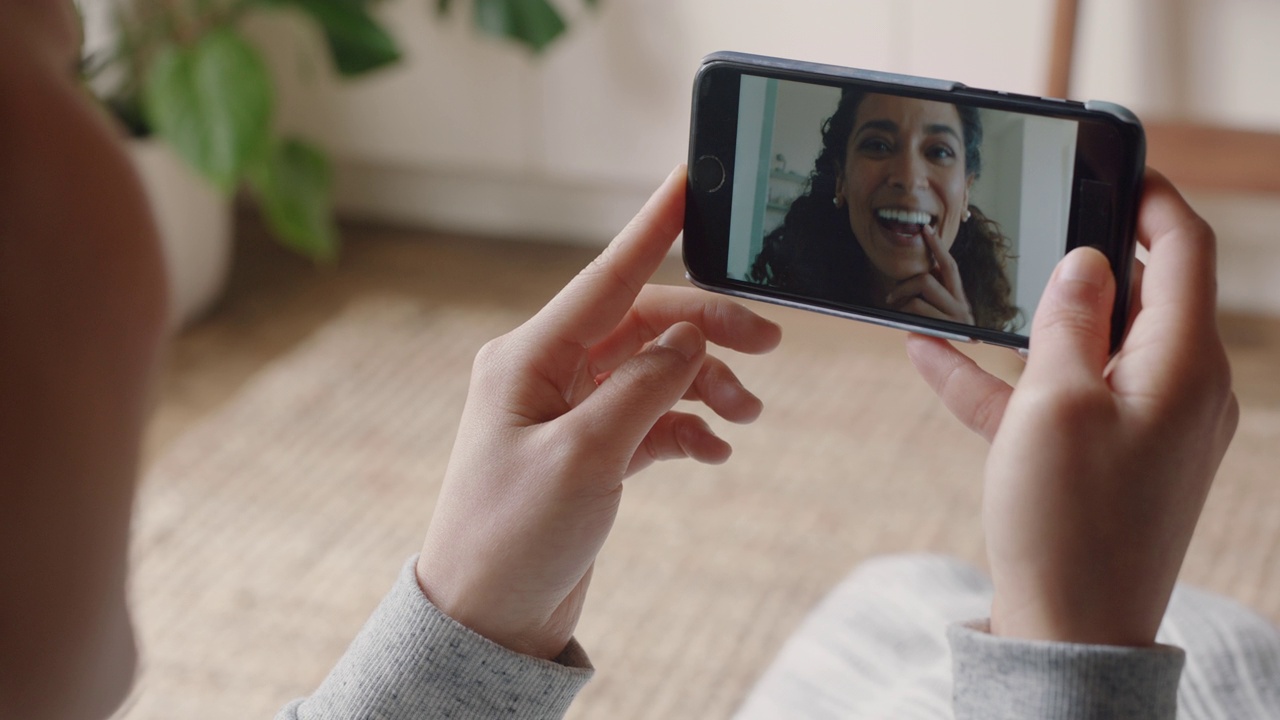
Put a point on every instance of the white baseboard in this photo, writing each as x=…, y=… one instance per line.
x=545, y=209
x=492, y=205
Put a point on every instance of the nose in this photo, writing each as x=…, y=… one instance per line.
x=907, y=171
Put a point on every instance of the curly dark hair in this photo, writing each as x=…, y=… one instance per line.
x=815, y=252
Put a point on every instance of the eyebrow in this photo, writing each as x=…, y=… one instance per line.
x=891, y=127
x=943, y=129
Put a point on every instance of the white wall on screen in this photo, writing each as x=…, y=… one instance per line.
x=998, y=190
x=1048, y=164
x=754, y=122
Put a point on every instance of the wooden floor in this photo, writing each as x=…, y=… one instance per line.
x=707, y=571
x=275, y=299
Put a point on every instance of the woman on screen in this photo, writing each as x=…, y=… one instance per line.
x=886, y=221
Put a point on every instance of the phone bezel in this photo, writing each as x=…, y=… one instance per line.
x=1110, y=149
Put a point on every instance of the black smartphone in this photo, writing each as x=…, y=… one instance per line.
x=919, y=204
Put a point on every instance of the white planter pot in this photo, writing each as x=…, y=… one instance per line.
x=195, y=224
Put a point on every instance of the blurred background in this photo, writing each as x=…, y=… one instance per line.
x=475, y=134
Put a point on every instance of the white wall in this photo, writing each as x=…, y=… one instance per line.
x=1204, y=60
x=1210, y=60
x=473, y=134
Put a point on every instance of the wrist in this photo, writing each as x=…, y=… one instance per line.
x=1070, y=619
x=475, y=611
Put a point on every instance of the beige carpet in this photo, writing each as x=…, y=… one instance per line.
x=267, y=534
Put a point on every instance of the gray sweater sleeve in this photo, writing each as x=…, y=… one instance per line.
x=412, y=661
x=997, y=678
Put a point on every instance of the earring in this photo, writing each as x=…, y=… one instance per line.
x=835, y=200
x=967, y=215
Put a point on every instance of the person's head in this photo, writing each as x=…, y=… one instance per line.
x=826, y=245
x=53, y=26
x=899, y=164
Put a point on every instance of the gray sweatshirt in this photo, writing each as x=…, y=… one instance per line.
x=412, y=661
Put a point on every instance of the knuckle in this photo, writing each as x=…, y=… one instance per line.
x=604, y=265
x=1231, y=416
x=655, y=365
x=650, y=447
x=1209, y=386
x=1200, y=230
x=496, y=357
x=490, y=354
x=1075, y=319
x=564, y=461
x=987, y=414
x=723, y=315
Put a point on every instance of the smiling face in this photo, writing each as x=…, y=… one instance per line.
x=904, y=168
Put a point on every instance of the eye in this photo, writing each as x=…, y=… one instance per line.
x=941, y=153
x=875, y=147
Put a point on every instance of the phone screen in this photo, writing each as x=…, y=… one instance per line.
x=846, y=197
x=982, y=180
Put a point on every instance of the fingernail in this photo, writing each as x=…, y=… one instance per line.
x=683, y=338
x=1085, y=265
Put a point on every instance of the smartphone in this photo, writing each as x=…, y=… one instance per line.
x=914, y=203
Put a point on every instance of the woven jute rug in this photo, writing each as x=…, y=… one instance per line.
x=266, y=535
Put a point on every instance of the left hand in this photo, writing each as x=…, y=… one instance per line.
x=563, y=408
x=938, y=293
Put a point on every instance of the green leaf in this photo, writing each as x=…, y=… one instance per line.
x=357, y=43
x=212, y=102
x=294, y=184
x=534, y=23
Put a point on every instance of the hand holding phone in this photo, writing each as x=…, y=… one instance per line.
x=1100, y=465
x=908, y=202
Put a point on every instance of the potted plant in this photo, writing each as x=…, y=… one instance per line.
x=197, y=96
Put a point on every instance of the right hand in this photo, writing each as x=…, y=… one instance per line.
x=1099, y=466
x=938, y=293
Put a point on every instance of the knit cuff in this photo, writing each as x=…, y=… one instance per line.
x=411, y=661
x=997, y=678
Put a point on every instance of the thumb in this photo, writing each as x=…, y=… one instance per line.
x=615, y=419
x=1071, y=332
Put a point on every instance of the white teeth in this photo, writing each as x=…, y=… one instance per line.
x=911, y=217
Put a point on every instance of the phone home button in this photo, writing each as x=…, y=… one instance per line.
x=707, y=174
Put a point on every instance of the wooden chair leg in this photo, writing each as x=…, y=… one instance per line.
x=1063, y=48
x=1205, y=157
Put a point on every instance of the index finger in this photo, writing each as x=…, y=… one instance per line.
x=1181, y=272
x=723, y=321
x=1173, y=352
x=595, y=301
x=946, y=264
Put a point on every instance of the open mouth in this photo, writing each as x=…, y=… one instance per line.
x=904, y=223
